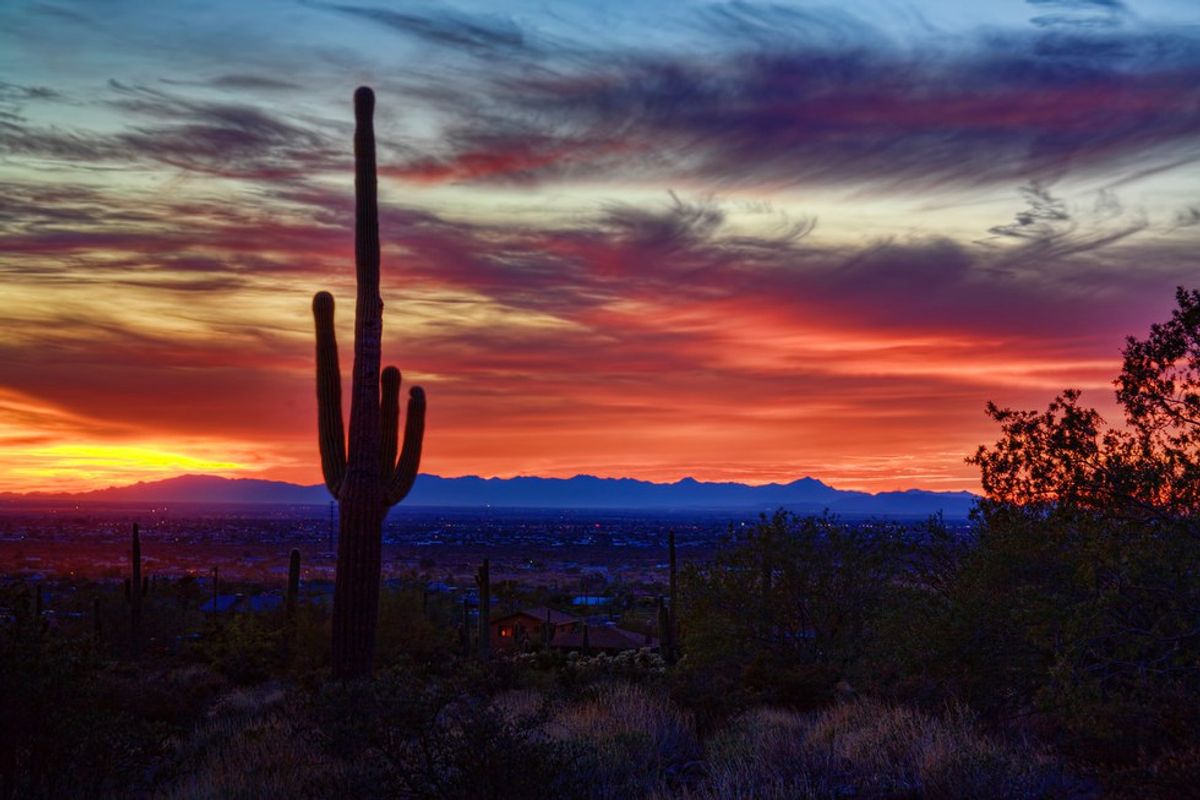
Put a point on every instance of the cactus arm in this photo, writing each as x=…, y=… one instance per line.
x=410, y=455
x=389, y=423
x=330, y=432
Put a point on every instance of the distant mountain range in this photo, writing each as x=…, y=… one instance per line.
x=806, y=495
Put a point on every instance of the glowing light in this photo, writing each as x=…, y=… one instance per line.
x=71, y=467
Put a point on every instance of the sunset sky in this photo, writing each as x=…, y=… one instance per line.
x=726, y=240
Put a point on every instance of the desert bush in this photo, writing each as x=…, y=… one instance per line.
x=63, y=731
x=245, y=648
x=409, y=631
x=406, y=735
x=786, y=611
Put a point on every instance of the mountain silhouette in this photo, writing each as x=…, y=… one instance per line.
x=806, y=495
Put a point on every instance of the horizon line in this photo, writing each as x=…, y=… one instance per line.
x=499, y=478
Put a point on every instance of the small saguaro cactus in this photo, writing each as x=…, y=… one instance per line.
x=293, y=586
x=484, y=583
x=136, y=588
x=366, y=479
x=665, y=648
x=669, y=641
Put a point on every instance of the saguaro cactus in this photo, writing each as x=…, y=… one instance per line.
x=293, y=587
x=665, y=648
x=484, y=582
x=136, y=588
x=367, y=479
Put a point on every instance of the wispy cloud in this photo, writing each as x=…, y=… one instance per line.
x=1009, y=108
x=490, y=34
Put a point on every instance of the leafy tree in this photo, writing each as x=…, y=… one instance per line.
x=1083, y=594
x=1149, y=469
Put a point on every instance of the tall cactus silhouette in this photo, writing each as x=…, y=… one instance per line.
x=367, y=480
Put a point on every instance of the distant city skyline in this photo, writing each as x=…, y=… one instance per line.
x=733, y=241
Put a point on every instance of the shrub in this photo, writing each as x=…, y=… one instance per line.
x=246, y=648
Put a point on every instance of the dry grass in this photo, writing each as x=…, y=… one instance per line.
x=632, y=742
x=635, y=741
x=870, y=750
x=252, y=746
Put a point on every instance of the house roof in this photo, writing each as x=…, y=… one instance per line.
x=604, y=637
x=540, y=614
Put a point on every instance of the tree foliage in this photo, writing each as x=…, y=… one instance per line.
x=1083, y=594
x=786, y=609
x=1147, y=469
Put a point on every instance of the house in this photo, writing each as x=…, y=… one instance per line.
x=527, y=627
x=514, y=631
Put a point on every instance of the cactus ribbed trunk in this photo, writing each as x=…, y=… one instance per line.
x=365, y=477
x=293, y=584
x=356, y=588
x=484, y=581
